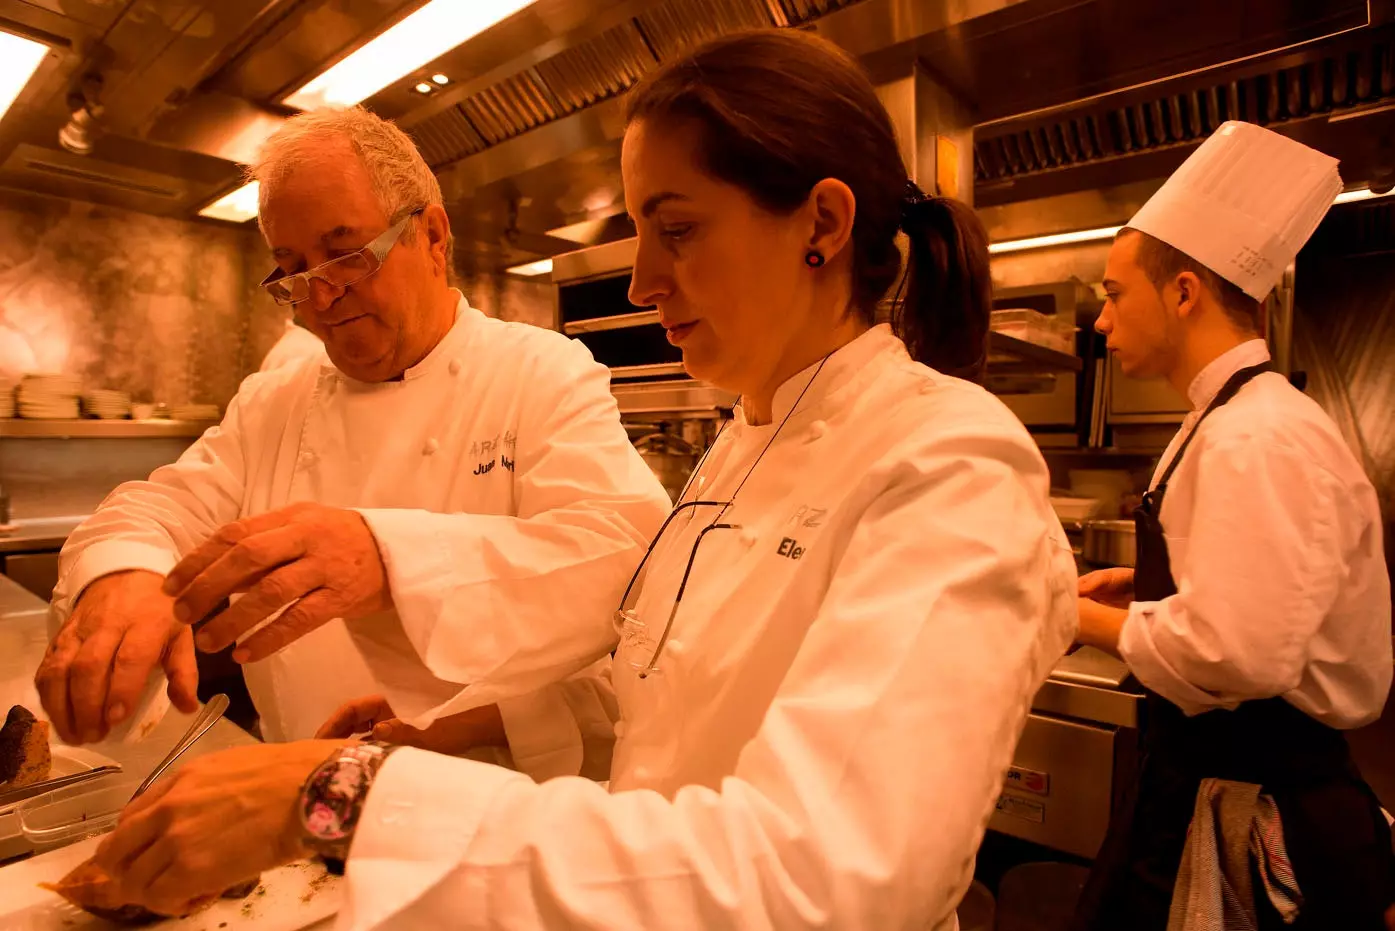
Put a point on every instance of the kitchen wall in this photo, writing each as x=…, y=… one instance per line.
x=153, y=306
x=168, y=310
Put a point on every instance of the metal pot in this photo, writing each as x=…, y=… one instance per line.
x=1109, y=542
x=669, y=457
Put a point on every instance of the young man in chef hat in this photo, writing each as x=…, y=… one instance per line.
x=1258, y=617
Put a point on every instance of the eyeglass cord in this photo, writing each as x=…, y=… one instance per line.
x=716, y=521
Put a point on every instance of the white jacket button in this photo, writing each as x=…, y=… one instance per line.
x=454, y=366
x=818, y=430
x=748, y=537
x=430, y=447
x=642, y=774
x=620, y=728
x=677, y=648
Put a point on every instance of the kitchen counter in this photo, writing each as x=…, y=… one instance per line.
x=38, y=534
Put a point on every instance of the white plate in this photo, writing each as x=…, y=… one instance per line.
x=292, y=897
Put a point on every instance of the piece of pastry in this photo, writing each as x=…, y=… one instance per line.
x=90, y=888
x=24, y=753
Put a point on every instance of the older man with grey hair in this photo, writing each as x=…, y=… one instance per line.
x=443, y=507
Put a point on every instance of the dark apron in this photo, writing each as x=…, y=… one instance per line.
x=1337, y=838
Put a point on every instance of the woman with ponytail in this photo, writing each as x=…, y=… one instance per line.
x=827, y=657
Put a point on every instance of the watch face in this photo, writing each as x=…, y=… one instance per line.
x=332, y=799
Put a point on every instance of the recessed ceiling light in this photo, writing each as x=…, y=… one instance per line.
x=237, y=206
x=440, y=79
x=533, y=269
x=424, y=88
x=422, y=37
x=19, y=59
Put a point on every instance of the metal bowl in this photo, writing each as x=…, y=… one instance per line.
x=1109, y=543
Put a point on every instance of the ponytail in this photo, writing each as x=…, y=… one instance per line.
x=949, y=295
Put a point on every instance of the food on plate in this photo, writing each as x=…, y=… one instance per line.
x=24, y=753
x=91, y=889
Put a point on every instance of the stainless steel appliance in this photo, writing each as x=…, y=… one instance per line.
x=1077, y=753
x=656, y=396
x=1109, y=542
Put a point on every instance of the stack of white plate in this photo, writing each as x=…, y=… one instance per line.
x=7, y=399
x=106, y=404
x=195, y=412
x=49, y=397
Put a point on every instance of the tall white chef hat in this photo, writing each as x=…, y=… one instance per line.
x=1243, y=204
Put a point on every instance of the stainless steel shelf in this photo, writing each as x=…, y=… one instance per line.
x=617, y=322
x=104, y=429
x=1027, y=357
x=659, y=370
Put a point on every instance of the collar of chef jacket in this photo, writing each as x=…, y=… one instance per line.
x=1209, y=381
x=442, y=352
x=838, y=374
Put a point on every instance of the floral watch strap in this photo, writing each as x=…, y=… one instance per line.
x=332, y=799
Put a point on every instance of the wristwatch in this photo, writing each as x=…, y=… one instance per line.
x=332, y=799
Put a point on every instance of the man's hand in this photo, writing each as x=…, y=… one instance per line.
x=98, y=664
x=221, y=819
x=1113, y=587
x=453, y=735
x=323, y=559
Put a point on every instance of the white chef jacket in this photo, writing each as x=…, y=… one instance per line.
x=846, y=679
x=295, y=343
x=506, y=500
x=1274, y=536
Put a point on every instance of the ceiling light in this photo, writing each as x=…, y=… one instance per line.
x=424, y=88
x=1109, y=232
x=238, y=206
x=426, y=35
x=1363, y=193
x=532, y=269
x=440, y=79
x=1056, y=239
x=19, y=59
x=586, y=231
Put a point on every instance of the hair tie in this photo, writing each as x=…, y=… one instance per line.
x=914, y=204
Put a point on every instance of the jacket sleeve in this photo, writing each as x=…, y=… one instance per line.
x=565, y=729
x=151, y=524
x=507, y=605
x=1264, y=562
x=861, y=799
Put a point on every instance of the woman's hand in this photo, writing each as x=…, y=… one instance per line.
x=453, y=735
x=221, y=819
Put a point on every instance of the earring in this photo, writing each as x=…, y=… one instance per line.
x=813, y=258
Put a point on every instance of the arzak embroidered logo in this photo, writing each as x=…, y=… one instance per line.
x=806, y=516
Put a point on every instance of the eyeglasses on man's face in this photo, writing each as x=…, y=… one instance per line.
x=339, y=272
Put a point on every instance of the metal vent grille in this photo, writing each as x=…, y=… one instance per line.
x=447, y=136
x=604, y=67
x=608, y=65
x=513, y=106
x=1327, y=86
x=675, y=27
x=797, y=12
